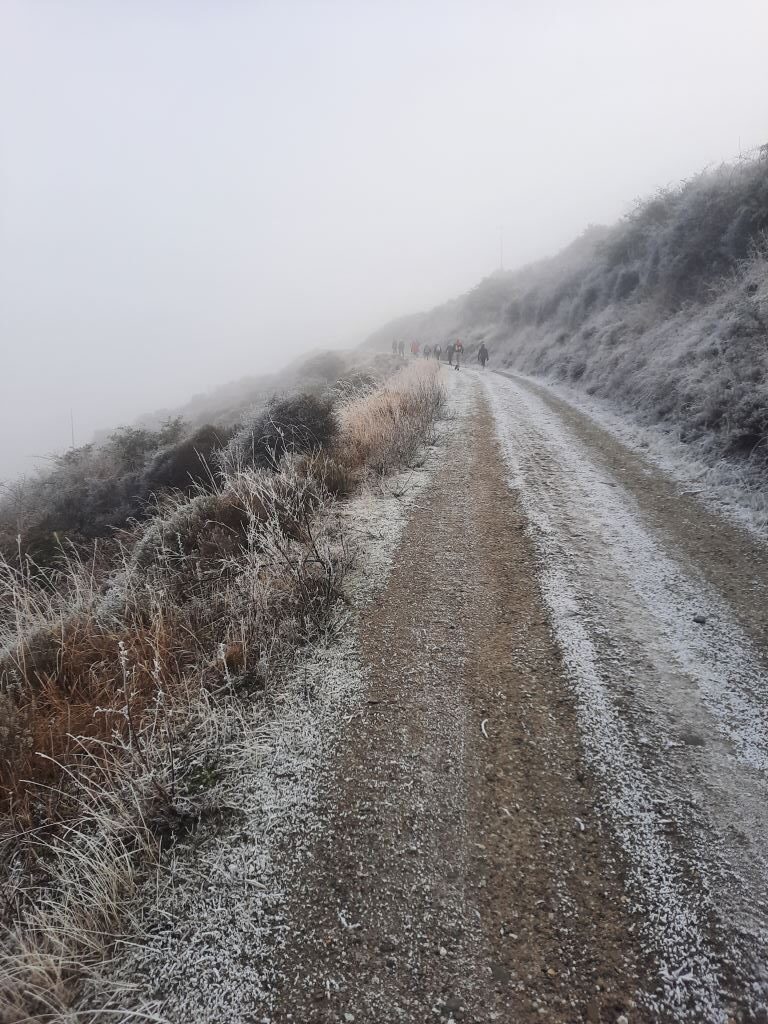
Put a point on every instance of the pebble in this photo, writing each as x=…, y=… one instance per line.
x=700, y=619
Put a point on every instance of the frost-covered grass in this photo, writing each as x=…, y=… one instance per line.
x=664, y=316
x=127, y=679
x=699, y=372
x=385, y=428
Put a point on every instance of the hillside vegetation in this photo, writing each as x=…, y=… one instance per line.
x=665, y=314
x=91, y=492
x=129, y=657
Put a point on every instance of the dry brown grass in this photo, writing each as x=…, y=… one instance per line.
x=178, y=600
x=381, y=431
x=121, y=678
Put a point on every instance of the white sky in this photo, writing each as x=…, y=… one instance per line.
x=197, y=190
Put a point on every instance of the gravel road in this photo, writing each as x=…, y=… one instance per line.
x=660, y=610
x=464, y=871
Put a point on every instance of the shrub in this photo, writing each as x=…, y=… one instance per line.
x=626, y=283
x=130, y=447
x=188, y=464
x=300, y=423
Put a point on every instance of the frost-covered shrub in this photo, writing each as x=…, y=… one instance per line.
x=130, y=447
x=357, y=385
x=300, y=423
x=93, y=490
x=187, y=464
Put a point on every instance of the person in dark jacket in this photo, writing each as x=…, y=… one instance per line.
x=437, y=351
x=449, y=354
x=482, y=355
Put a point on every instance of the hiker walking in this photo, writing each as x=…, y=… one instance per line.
x=401, y=348
x=482, y=355
x=394, y=347
x=458, y=348
x=449, y=354
x=414, y=348
x=427, y=351
x=437, y=351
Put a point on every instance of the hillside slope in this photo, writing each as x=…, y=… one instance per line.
x=665, y=314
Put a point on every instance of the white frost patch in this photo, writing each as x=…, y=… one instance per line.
x=721, y=660
x=644, y=674
x=722, y=488
x=215, y=918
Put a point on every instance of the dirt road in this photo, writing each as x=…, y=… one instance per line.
x=552, y=805
x=660, y=609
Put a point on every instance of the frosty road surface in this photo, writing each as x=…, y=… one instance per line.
x=663, y=638
x=524, y=777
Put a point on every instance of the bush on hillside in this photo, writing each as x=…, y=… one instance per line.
x=93, y=490
x=130, y=447
x=301, y=423
x=188, y=464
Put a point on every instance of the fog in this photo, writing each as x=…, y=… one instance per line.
x=194, y=191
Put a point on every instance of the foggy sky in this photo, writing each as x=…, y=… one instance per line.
x=193, y=191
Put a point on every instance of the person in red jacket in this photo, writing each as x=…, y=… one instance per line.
x=458, y=348
x=414, y=348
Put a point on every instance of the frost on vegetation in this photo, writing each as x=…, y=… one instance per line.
x=90, y=491
x=152, y=702
x=664, y=316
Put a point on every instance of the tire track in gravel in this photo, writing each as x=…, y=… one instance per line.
x=463, y=872
x=659, y=610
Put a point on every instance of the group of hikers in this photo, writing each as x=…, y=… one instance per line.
x=453, y=352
